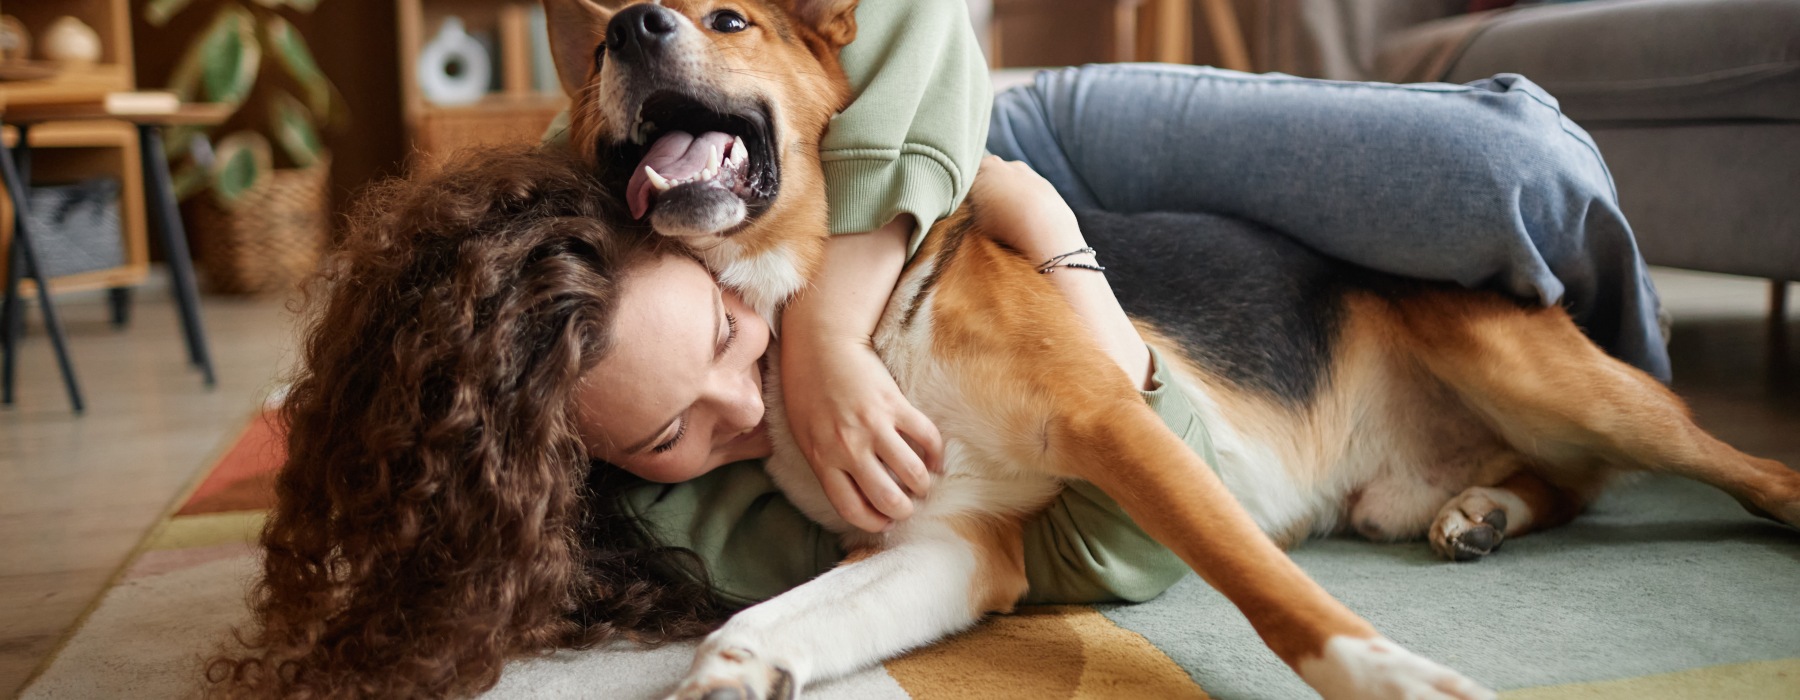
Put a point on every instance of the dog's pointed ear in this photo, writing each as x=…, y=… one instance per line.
x=577, y=28
x=835, y=20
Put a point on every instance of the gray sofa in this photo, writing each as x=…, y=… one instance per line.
x=1694, y=103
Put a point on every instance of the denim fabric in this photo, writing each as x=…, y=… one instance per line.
x=1485, y=184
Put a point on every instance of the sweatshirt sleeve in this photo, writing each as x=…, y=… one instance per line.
x=755, y=544
x=913, y=136
x=1085, y=549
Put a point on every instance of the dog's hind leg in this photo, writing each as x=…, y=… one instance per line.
x=1555, y=396
x=1067, y=410
x=935, y=579
x=1474, y=523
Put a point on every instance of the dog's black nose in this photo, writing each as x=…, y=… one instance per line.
x=640, y=29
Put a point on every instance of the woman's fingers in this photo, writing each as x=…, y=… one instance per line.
x=849, y=502
x=879, y=487
x=923, y=437
x=904, y=463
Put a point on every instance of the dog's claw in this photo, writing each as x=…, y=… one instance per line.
x=731, y=672
x=1460, y=535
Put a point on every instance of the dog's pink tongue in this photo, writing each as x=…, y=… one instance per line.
x=678, y=155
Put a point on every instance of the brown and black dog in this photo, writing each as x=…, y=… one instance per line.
x=1337, y=398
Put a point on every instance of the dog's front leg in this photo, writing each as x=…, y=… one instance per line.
x=931, y=580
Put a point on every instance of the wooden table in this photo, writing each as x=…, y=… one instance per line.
x=15, y=170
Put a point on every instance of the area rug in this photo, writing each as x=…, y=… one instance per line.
x=1665, y=590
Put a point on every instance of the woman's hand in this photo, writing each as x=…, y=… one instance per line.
x=859, y=433
x=846, y=413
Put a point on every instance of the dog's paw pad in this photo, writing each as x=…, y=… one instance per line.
x=735, y=673
x=1378, y=669
x=1469, y=527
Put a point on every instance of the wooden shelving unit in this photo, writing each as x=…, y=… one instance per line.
x=77, y=150
x=517, y=112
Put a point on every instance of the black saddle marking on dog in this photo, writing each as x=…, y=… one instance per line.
x=953, y=230
x=1246, y=302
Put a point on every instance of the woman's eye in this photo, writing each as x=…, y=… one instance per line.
x=727, y=22
x=730, y=329
x=670, y=444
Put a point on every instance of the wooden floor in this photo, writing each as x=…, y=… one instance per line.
x=76, y=494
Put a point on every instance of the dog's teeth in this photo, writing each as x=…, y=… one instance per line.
x=738, y=152
x=713, y=158
x=657, y=180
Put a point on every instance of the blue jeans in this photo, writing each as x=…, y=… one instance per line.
x=1486, y=184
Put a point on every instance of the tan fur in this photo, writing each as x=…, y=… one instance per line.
x=990, y=303
x=1000, y=562
x=1427, y=397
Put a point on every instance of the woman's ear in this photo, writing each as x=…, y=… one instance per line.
x=835, y=20
x=577, y=28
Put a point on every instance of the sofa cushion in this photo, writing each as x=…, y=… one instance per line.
x=1650, y=60
x=1716, y=197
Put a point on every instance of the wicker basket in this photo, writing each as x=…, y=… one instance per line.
x=268, y=240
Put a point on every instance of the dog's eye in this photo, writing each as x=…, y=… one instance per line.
x=599, y=56
x=727, y=22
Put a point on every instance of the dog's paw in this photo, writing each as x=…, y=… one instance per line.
x=735, y=673
x=1378, y=669
x=1470, y=526
x=1779, y=505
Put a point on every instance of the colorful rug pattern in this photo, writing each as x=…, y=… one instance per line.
x=1665, y=590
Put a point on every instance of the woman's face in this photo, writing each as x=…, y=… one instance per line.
x=680, y=392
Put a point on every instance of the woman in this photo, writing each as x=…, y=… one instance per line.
x=484, y=343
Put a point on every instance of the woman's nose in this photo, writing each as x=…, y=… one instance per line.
x=742, y=401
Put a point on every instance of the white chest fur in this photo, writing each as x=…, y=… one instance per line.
x=981, y=473
x=766, y=280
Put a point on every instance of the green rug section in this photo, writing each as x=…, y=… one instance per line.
x=1663, y=575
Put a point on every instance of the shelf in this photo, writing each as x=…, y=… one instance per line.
x=113, y=134
x=502, y=102
x=76, y=150
x=516, y=112
x=89, y=82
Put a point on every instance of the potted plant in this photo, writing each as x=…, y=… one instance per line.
x=256, y=186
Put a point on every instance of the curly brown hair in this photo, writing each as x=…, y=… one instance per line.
x=438, y=514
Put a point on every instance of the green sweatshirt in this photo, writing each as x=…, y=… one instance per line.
x=911, y=142
x=1082, y=549
x=913, y=136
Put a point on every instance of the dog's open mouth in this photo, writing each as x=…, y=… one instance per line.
x=688, y=155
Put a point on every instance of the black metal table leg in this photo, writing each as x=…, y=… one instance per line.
x=118, y=301
x=160, y=196
x=13, y=171
x=12, y=321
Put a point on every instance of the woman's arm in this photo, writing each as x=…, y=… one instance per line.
x=844, y=409
x=1024, y=211
x=899, y=158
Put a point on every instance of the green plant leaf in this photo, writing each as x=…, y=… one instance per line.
x=290, y=48
x=301, y=6
x=178, y=141
x=185, y=80
x=293, y=129
x=243, y=160
x=230, y=56
x=159, y=12
x=188, y=181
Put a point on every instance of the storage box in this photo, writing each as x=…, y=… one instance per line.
x=75, y=227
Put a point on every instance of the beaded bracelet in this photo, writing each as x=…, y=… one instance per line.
x=1052, y=264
